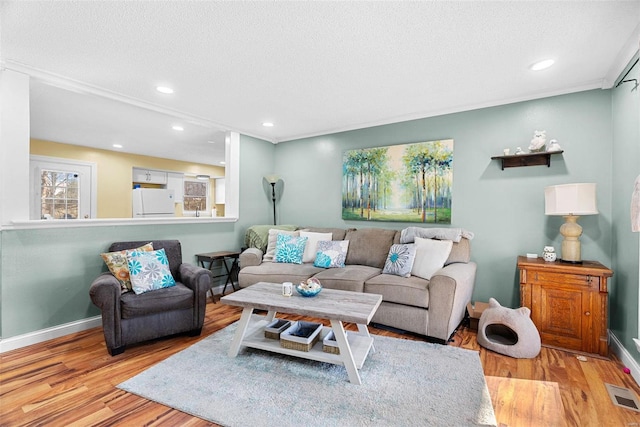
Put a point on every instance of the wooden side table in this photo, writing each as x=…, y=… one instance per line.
x=568, y=302
x=231, y=274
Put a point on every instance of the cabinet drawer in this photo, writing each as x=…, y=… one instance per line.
x=573, y=280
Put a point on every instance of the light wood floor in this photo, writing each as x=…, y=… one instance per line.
x=70, y=381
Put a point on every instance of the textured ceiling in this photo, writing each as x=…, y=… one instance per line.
x=310, y=67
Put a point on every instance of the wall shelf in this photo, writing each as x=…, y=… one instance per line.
x=530, y=159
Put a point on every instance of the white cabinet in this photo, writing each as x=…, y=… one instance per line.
x=219, y=196
x=175, y=182
x=149, y=176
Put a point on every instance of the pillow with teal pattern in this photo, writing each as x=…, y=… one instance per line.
x=331, y=253
x=400, y=260
x=149, y=271
x=289, y=249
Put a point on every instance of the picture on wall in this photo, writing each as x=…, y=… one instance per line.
x=407, y=183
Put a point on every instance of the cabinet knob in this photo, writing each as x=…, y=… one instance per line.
x=587, y=313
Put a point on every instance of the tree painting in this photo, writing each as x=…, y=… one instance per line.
x=407, y=183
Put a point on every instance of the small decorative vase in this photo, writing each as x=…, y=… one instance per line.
x=549, y=254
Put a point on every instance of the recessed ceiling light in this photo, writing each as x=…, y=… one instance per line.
x=541, y=65
x=211, y=142
x=180, y=128
x=223, y=163
x=267, y=124
x=164, y=89
x=117, y=146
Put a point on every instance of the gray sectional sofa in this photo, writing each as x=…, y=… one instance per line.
x=433, y=308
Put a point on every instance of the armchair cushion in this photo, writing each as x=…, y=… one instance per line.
x=149, y=271
x=119, y=267
x=177, y=297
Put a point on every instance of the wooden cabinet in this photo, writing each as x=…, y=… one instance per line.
x=568, y=302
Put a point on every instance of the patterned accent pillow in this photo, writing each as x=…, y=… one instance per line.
x=270, y=253
x=400, y=260
x=312, y=244
x=149, y=271
x=331, y=253
x=289, y=249
x=118, y=266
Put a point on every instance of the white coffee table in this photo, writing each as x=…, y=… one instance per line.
x=337, y=306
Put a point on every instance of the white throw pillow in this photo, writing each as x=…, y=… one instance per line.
x=312, y=244
x=271, y=245
x=431, y=255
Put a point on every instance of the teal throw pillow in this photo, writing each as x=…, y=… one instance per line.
x=289, y=249
x=400, y=260
x=331, y=253
x=149, y=270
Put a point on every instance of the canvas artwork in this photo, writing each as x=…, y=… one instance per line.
x=407, y=183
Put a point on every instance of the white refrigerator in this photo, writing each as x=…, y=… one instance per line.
x=153, y=203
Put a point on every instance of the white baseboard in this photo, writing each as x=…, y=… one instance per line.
x=624, y=356
x=42, y=335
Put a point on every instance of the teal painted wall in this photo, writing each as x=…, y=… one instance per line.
x=625, y=253
x=505, y=209
x=46, y=274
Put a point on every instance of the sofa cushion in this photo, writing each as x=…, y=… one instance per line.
x=331, y=253
x=289, y=249
x=431, y=255
x=271, y=246
x=337, y=233
x=349, y=278
x=276, y=273
x=312, y=244
x=177, y=297
x=460, y=252
x=400, y=259
x=400, y=290
x=369, y=246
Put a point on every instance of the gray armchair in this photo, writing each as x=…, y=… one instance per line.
x=128, y=318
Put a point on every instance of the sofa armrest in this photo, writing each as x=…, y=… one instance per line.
x=105, y=294
x=251, y=256
x=450, y=289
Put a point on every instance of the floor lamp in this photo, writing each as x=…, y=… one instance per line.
x=570, y=201
x=273, y=179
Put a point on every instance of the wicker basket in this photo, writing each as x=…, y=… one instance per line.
x=330, y=345
x=275, y=328
x=290, y=341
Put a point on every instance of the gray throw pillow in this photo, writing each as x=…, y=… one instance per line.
x=400, y=260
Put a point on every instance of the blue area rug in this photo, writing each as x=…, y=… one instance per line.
x=404, y=383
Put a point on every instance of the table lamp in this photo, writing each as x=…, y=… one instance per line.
x=570, y=201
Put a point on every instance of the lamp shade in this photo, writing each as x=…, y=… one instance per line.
x=570, y=199
x=272, y=179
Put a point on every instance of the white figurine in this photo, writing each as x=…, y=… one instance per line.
x=538, y=141
x=554, y=146
x=519, y=150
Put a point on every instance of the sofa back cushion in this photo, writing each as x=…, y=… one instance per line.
x=460, y=252
x=369, y=246
x=337, y=233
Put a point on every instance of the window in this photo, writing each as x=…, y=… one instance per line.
x=196, y=196
x=59, y=195
x=61, y=188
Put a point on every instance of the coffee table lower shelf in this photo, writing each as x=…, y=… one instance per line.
x=254, y=338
